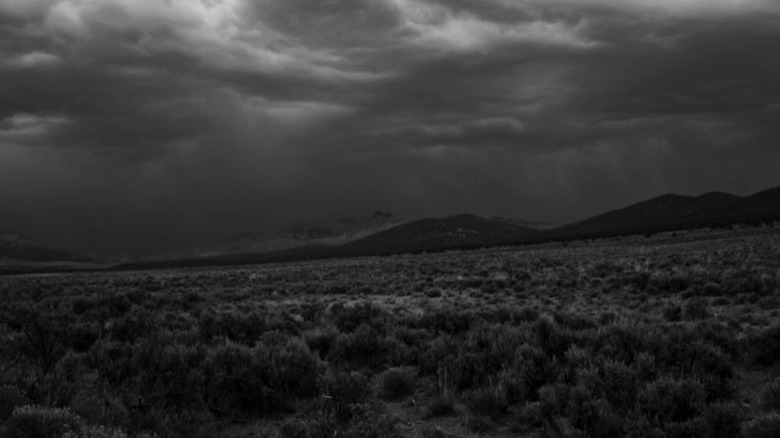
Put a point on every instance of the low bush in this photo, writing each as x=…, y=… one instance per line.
x=363, y=348
x=321, y=339
x=344, y=389
x=235, y=382
x=440, y=405
x=10, y=399
x=397, y=383
x=295, y=428
x=672, y=313
x=723, y=420
x=96, y=432
x=672, y=400
x=32, y=421
x=369, y=420
x=488, y=401
x=349, y=318
x=770, y=398
x=292, y=367
x=721, y=301
x=696, y=308
x=764, y=347
x=767, y=426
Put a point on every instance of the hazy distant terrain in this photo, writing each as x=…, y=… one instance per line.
x=20, y=252
x=383, y=233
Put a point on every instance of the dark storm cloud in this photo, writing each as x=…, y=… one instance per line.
x=149, y=124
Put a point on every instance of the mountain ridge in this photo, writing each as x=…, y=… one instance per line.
x=435, y=234
x=297, y=235
x=16, y=248
x=384, y=234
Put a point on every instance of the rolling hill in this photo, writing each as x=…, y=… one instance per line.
x=677, y=212
x=15, y=247
x=460, y=231
x=300, y=235
x=761, y=206
x=383, y=234
x=20, y=254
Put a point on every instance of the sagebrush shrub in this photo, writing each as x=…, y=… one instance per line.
x=440, y=405
x=96, y=432
x=321, y=339
x=767, y=426
x=349, y=317
x=244, y=328
x=32, y=421
x=397, y=383
x=369, y=420
x=440, y=350
x=723, y=420
x=347, y=387
x=170, y=373
x=550, y=337
x=295, y=428
x=672, y=400
x=672, y=312
x=10, y=398
x=292, y=367
x=365, y=347
x=488, y=401
x=344, y=389
x=696, y=308
x=770, y=398
x=487, y=350
x=236, y=382
x=764, y=347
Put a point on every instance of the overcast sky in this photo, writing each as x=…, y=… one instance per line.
x=140, y=126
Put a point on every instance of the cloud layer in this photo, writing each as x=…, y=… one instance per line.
x=141, y=126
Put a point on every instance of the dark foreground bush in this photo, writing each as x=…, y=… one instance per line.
x=672, y=400
x=441, y=405
x=10, y=398
x=764, y=347
x=397, y=383
x=343, y=390
x=487, y=401
x=763, y=427
x=696, y=308
x=770, y=398
x=260, y=380
x=41, y=422
x=368, y=420
x=104, y=432
x=723, y=420
x=236, y=382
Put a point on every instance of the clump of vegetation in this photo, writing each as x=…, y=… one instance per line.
x=486, y=401
x=696, y=308
x=766, y=426
x=10, y=398
x=443, y=402
x=397, y=383
x=770, y=398
x=33, y=421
